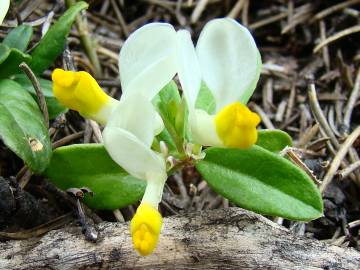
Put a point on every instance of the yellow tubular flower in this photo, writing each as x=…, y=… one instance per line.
x=79, y=91
x=236, y=125
x=145, y=228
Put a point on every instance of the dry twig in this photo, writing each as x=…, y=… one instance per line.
x=338, y=35
x=338, y=158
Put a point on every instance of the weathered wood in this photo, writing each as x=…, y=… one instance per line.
x=221, y=239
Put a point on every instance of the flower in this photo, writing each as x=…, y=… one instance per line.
x=227, y=60
x=132, y=126
x=4, y=7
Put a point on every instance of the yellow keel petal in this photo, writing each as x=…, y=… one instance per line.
x=236, y=125
x=145, y=228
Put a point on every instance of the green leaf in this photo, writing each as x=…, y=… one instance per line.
x=273, y=140
x=10, y=59
x=168, y=104
x=53, y=43
x=89, y=165
x=205, y=100
x=4, y=52
x=54, y=107
x=22, y=126
x=19, y=37
x=261, y=181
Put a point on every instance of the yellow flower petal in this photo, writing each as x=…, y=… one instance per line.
x=236, y=125
x=145, y=228
x=79, y=91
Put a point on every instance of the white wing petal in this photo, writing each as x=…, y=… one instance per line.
x=4, y=7
x=188, y=68
x=147, y=60
x=138, y=116
x=203, y=129
x=132, y=154
x=129, y=134
x=229, y=60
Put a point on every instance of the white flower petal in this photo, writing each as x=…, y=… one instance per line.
x=229, y=60
x=132, y=154
x=188, y=68
x=147, y=60
x=4, y=7
x=154, y=188
x=138, y=116
x=203, y=129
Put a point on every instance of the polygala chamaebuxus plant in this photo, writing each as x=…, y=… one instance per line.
x=151, y=125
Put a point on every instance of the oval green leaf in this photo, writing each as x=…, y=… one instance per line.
x=54, y=107
x=19, y=37
x=53, y=43
x=261, y=181
x=273, y=140
x=22, y=126
x=89, y=165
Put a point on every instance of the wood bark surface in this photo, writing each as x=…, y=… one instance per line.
x=229, y=238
